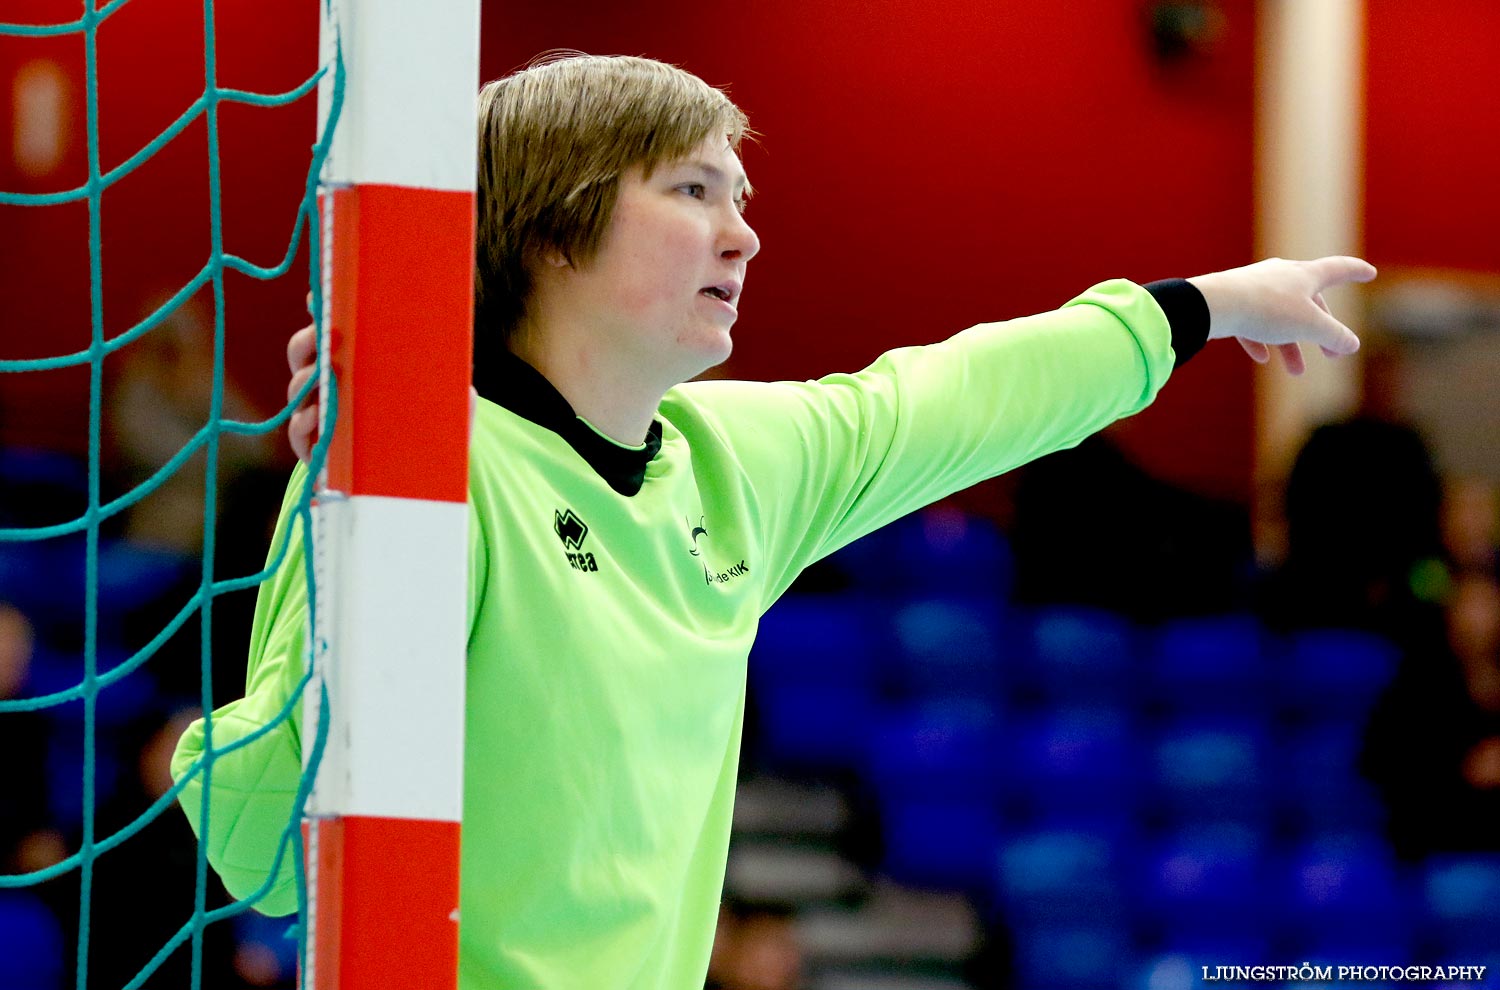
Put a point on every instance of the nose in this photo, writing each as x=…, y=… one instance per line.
x=738, y=241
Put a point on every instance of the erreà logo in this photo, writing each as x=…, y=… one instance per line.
x=573, y=531
x=570, y=529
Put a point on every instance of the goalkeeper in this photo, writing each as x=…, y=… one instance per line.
x=628, y=530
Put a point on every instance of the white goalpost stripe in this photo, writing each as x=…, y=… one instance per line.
x=409, y=110
x=398, y=613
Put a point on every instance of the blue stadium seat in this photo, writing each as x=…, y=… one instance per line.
x=816, y=727
x=132, y=576
x=1461, y=897
x=813, y=674
x=118, y=704
x=45, y=579
x=19, y=565
x=1210, y=770
x=938, y=549
x=1344, y=895
x=1066, y=957
x=33, y=467
x=934, y=770
x=1166, y=971
x=937, y=750
x=946, y=844
x=31, y=943
x=1078, y=655
x=1074, y=764
x=1204, y=885
x=947, y=647
x=1317, y=781
x=945, y=548
x=1333, y=674
x=65, y=763
x=1210, y=664
x=274, y=940
x=1177, y=962
x=1062, y=875
x=829, y=640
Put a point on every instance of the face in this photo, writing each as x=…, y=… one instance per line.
x=664, y=289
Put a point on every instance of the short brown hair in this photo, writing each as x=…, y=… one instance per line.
x=554, y=140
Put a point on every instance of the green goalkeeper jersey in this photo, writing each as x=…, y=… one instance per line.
x=614, y=594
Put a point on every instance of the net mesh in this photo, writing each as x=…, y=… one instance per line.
x=205, y=442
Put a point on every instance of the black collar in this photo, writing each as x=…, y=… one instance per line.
x=508, y=381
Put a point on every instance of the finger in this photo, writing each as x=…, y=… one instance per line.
x=309, y=304
x=473, y=405
x=1334, y=336
x=1291, y=356
x=302, y=429
x=301, y=348
x=1258, y=352
x=298, y=383
x=1349, y=340
x=1339, y=269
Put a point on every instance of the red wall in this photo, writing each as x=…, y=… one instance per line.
x=1432, y=133
x=923, y=167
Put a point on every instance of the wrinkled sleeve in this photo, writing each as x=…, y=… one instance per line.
x=826, y=462
x=254, y=787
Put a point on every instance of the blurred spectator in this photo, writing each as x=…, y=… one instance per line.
x=754, y=949
x=1433, y=746
x=157, y=402
x=158, y=399
x=1471, y=525
x=1364, y=544
x=248, y=507
x=1091, y=528
x=28, y=841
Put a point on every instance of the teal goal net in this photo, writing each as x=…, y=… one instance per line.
x=83, y=806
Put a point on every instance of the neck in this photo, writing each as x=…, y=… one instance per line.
x=607, y=393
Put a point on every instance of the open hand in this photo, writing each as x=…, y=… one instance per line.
x=1278, y=305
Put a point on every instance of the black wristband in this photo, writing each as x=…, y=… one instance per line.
x=1187, y=313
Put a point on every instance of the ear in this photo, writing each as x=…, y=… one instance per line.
x=553, y=258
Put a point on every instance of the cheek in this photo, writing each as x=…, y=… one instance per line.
x=666, y=256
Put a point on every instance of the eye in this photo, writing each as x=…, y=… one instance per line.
x=741, y=204
x=697, y=190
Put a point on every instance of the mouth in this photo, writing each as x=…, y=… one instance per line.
x=724, y=292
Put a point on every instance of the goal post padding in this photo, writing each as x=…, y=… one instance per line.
x=391, y=521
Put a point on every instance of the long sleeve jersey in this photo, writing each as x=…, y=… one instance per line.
x=614, y=595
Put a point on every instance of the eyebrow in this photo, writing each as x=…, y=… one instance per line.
x=741, y=183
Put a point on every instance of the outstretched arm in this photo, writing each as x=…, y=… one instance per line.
x=826, y=462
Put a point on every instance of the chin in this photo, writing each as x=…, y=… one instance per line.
x=708, y=351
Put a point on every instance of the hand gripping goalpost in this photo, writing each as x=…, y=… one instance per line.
x=391, y=520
